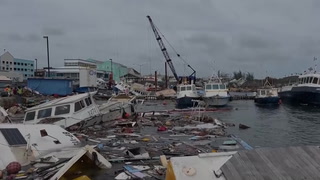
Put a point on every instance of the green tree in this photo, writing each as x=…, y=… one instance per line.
x=237, y=75
x=250, y=77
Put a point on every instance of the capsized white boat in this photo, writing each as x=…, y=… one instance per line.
x=117, y=107
x=79, y=109
x=27, y=142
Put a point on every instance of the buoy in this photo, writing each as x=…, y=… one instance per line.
x=13, y=168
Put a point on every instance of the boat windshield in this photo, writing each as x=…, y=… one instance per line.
x=30, y=116
x=65, y=109
x=262, y=92
x=183, y=88
x=208, y=86
x=215, y=86
x=315, y=80
x=189, y=88
x=44, y=113
x=222, y=86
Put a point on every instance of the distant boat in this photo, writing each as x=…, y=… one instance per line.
x=306, y=91
x=267, y=95
x=186, y=94
x=216, y=93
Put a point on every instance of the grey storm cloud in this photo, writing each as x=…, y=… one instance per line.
x=51, y=31
x=254, y=36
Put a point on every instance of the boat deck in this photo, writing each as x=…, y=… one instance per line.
x=274, y=163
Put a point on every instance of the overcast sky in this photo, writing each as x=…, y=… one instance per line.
x=266, y=37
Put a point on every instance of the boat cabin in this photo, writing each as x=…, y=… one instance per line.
x=215, y=86
x=77, y=107
x=309, y=79
x=190, y=87
x=267, y=92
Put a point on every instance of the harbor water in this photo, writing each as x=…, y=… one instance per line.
x=279, y=126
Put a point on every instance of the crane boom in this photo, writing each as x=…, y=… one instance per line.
x=163, y=49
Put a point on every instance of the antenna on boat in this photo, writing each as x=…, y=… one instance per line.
x=316, y=64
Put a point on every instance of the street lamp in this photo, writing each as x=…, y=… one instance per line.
x=36, y=63
x=140, y=65
x=46, y=37
x=111, y=66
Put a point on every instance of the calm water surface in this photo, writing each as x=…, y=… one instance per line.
x=280, y=126
x=284, y=125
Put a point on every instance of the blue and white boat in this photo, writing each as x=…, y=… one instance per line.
x=186, y=95
x=306, y=91
x=267, y=95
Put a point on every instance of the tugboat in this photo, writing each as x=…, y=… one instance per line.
x=186, y=95
x=267, y=95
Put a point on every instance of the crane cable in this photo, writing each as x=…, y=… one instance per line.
x=171, y=46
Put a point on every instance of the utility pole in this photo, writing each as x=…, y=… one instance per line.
x=36, y=63
x=46, y=37
x=156, y=80
x=166, y=75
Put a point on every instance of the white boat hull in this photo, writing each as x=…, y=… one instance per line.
x=217, y=101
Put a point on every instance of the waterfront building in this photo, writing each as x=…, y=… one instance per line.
x=118, y=70
x=8, y=63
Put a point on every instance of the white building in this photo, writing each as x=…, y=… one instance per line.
x=77, y=69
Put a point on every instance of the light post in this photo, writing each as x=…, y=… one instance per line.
x=46, y=37
x=36, y=63
x=111, y=71
x=140, y=65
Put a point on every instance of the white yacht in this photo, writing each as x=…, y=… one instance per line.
x=216, y=93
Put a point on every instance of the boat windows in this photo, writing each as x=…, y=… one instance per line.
x=189, y=88
x=300, y=80
x=88, y=101
x=215, y=86
x=65, y=109
x=263, y=92
x=222, y=86
x=30, y=116
x=315, y=80
x=78, y=106
x=183, y=88
x=44, y=113
x=208, y=86
x=310, y=80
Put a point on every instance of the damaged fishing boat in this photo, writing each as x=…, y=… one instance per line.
x=67, y=111
x=79, y=111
